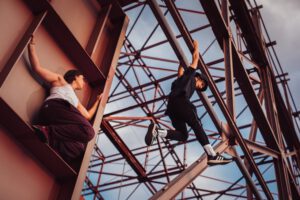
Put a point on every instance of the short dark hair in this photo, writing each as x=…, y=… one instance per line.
x=204, y=79
x=71, y=75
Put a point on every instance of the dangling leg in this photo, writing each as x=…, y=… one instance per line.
x=180, y=133
x=213, y=157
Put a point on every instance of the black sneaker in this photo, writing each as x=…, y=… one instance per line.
x=218, y=160
x=42, y=133
x=151, y=134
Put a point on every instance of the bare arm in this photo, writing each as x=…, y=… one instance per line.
x=194, y=63
x=180, y=71
x=51, y=77
x=88, y=114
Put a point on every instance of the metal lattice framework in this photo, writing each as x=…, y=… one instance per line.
x=248, y=111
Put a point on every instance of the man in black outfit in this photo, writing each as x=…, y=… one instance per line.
x=182, y=111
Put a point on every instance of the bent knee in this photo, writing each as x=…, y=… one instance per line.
x=89, y=133
x=182, y=137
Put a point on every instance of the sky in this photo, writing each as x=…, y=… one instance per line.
x=282, y=19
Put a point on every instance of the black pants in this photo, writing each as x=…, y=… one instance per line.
x=182, y=112
x=69, y=131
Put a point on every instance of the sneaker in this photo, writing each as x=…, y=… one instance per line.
x=218, y=160
x=151, y=134
x=42, y=132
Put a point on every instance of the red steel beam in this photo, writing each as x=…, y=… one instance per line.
x=250, y=34
x=218, y=27
x=11, y=121
x=67, y=41
x=124, y=150
x=21, y=46
x=223, y=107
x=229, y=79
x=165, y=78
x=186, y=177
x=247, y=144
x=257, y=50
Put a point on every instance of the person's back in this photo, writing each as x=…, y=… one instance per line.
x=64, y=120
x=65, y=92
x=184, y=85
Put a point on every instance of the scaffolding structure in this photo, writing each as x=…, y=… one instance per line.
x=248, y=111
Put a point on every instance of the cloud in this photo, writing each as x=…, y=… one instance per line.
x=282, y=22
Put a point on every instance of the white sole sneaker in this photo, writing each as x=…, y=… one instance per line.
x=151, y=134
x=218, y=160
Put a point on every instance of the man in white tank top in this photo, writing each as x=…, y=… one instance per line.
x=65, y=120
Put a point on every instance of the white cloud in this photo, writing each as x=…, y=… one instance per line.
x=282, y=21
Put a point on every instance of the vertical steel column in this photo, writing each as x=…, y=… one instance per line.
x=252, y=137
x=227, y=48
x=288, y=104
x=100, y=110
x=247, y=175
x=283, y=183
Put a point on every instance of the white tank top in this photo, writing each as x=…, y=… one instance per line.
x=65, y=92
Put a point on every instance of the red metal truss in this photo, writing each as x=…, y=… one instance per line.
x=248, y=110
